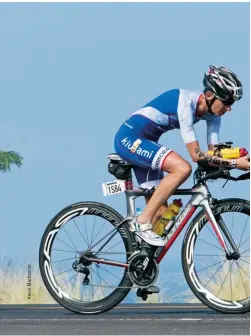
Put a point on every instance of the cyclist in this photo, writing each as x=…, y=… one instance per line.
x=137, y=140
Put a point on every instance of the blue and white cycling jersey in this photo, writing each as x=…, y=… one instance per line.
x=173, y=109
x=137, y=139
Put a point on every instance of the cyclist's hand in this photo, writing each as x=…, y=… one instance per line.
x=243, y=163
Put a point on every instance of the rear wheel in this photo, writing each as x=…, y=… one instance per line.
x=93, y=281
x=219, y=282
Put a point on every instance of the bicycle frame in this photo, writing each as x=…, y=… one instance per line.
x=201, y=197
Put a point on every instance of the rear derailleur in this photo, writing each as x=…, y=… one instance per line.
x=83, y=266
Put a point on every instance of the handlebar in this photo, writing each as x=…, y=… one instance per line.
x=203, y=174
x=220, y=173
x=206, y=172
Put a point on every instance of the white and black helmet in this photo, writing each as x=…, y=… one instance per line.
x=223, y=83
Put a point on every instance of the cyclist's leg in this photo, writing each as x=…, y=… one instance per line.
x=150, y=156
x=159, y=212
x=148, y=178
x=179, y=170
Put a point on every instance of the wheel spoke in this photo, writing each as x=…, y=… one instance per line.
x=242, y=281
x=112, y=246
x=215, y=273
x=220, y=262
x=63, y=250
x=80, y=232
x=66, y=282
x=245, y=261
x=100, y=279
x=213, y=234
x=210, y=244
x=244, y=241
x=76, y=275
x=224, y=281
x=231, y=281
x=243, y=232
x=92, y=279
x=69, y=238
x=103, y=252
x=93, y=229
x=110, y=286
x=103, y=279
x=98, y=232
x=243, y=253
x=86, y=233
x=110, y=272
x=242, y=269
x=66, y=244
x=54, y=262
x=210, y=255
x=70, y=269
x=232, y=224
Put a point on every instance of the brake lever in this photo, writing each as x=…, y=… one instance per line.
x=228, y=178
x=242, y=177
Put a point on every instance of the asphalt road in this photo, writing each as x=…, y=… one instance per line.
x=137, y=319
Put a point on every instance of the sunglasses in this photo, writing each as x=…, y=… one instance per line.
x=227, y=102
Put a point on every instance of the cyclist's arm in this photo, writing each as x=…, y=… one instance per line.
x=185, y=115
x=213, y=130
x=198, y=155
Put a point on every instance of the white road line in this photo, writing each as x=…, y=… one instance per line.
x=125, y=319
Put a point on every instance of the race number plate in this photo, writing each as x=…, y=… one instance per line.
x=113, y=187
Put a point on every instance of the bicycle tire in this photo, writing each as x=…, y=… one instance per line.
x=192, y=233
x=49, y=235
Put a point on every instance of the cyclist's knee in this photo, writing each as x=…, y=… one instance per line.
x=176, y=164
x=185, y=169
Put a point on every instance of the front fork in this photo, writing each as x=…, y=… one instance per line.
x=217, y=223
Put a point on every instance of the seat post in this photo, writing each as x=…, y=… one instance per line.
x=129, y=181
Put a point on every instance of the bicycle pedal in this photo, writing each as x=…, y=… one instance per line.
x=144, y=292
x=152, y=290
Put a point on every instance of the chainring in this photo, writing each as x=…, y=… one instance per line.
x=137, y=275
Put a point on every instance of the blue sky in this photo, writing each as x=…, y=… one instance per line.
x=71, y=73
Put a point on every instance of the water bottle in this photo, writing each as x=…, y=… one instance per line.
x=228, y=153
x=166, y=220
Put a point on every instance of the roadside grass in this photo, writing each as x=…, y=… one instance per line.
x=15, y=288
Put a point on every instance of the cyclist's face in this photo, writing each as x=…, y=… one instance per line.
x=219, y=108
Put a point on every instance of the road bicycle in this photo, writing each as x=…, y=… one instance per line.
x=94, y=271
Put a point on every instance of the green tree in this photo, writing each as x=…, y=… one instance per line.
x=7, y=158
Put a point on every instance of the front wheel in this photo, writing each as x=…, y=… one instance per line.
x=83, y=257
x=220, y=282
